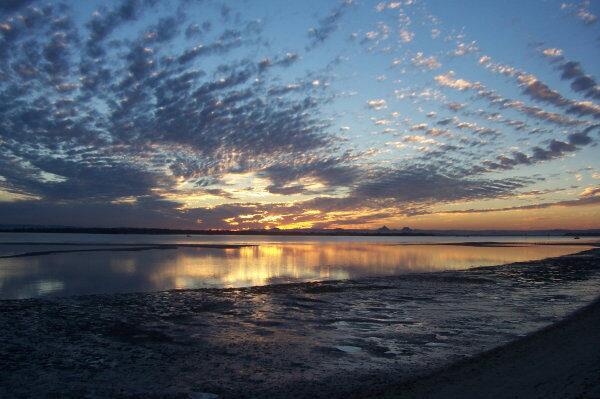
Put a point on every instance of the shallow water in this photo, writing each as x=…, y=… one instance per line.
x=270, y=260
x=264, y=239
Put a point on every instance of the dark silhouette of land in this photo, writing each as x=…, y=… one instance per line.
x=383, y=231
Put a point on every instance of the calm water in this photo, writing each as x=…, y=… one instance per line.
x=271, y=260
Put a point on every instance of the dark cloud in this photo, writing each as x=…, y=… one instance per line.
x=571, y=70
x=545, y=205
x=86, y=118
x=541, y=92
x=454, y=106
x=331, y=172
x=384, y=193
x=554, y=149
x=428, y=185
x=327, y=25
x=581, y=82
x=229, y=40
x=532, y=87
x=584, y=108
x=106, y=21
x=219, y=193
x=579, y=138
x=498, y=101
x=94, y=214
x=164, y=30
x=194, y=30
x=285, y=61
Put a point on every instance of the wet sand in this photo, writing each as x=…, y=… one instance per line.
x=561, y=361
x=108, y=247
x=358, y=338
x=509, y=244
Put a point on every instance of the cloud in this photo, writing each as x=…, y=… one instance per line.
x=384, y=193
x=539, y=91
x=527, y=110
x=584, y=108
x=143, y=111
x=286, y=178
x=455, y=106
x=581, y=82
x=105, y=21
x=554, y=149
x=419, y=126
x=229, y=40
x=418, y=139
x=287, y=60
x=327, y=25
x=427, y=63
x=587, y=17
x=406, y=36
x=532, y=87
x=580, y=11
x=464, y=49
x=164, y=30
x=449, y=80
x=545, y=205
x=93, y=117
x=377, y=104
x=552, y=52
x=427, y=185
x=591, y=192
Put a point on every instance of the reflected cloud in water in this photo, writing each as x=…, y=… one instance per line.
x=267, y=263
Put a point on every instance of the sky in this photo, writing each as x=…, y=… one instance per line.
x=312, y=114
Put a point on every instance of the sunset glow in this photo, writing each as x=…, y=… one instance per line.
x=337, y=114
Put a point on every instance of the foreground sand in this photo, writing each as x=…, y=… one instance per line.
x=561, y=361
x=314, y=340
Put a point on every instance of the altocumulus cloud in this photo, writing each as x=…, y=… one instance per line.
x=137, y=112
x=88, y=115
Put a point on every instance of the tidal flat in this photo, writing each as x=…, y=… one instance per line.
x=348, y=338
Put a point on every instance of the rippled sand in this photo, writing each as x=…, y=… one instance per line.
x=300, y=340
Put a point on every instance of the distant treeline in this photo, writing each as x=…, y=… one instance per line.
x=132, y=230
x=307, y=232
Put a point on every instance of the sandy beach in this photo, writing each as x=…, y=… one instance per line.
x=352, y=338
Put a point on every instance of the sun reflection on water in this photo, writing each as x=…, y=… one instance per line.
x=272, y=263
x=268, y=263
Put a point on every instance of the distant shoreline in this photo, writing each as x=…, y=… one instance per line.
x=333, y=232
x=110, y=230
